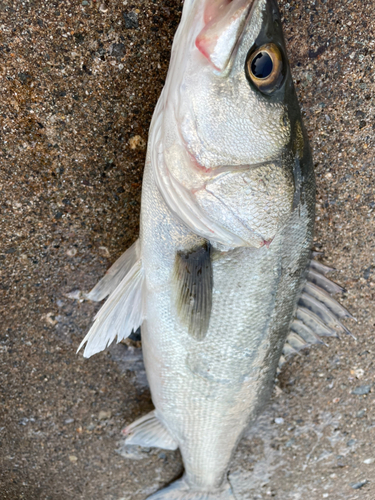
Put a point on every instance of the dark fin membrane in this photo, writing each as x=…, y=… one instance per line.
x=193, y=279
x=317, y=315
x=321, y=281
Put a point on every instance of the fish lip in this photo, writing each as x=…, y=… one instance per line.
x=214, y=21
x=238, y=41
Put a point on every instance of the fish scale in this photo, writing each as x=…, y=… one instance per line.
x=221, y=279
x=206, y=393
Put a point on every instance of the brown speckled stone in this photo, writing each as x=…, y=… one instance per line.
x=79, y=82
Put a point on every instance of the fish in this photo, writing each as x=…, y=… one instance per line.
x=222, y=279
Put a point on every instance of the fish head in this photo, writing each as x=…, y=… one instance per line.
x=229, y=123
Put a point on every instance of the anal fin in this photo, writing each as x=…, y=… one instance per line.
x=148, y=431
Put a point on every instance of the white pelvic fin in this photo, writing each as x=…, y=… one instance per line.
x=318, y=314
x=148, y=432
x=179, y=490
x=115, y=274
x=121, y=314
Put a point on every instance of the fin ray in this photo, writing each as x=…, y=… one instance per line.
x=148, y=431
x=322, y=312
x=296, y=341
x=179, y=490
x=121, y=314
x=305, y=332
x=314, y=323
x=193, y=280
x=288, y=350
x=324, y=297
x=317, y=314
x=115, y=274
x=323, y=282
x=317, y=266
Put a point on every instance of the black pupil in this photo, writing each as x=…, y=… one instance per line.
x=262, y=65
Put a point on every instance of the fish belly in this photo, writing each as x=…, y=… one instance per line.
x=207, y=392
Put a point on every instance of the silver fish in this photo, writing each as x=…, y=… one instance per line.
x=221, y=278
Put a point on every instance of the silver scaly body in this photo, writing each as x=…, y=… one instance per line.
x=220, y=278
x=206, y=393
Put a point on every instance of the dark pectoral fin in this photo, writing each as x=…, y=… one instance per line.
x=193, y=280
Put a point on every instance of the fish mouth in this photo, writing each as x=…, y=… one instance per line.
x=224, y=22
x=214, y=28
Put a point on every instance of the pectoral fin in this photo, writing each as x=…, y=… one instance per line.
x=193, y=282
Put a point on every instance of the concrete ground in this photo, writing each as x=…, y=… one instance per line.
x=79, y=82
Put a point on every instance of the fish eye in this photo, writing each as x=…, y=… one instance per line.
x=265, y=67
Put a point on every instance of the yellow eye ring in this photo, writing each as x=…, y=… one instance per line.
x=265, y=66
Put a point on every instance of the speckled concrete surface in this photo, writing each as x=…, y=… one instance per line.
x=79, y=82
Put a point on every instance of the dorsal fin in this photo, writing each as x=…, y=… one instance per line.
x=318, y=314
x=306, y=333
x=325, y=298
x=322, y=312
x=322, y=281
x=193, y=281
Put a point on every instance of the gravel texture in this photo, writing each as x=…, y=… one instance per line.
x=79, y=82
